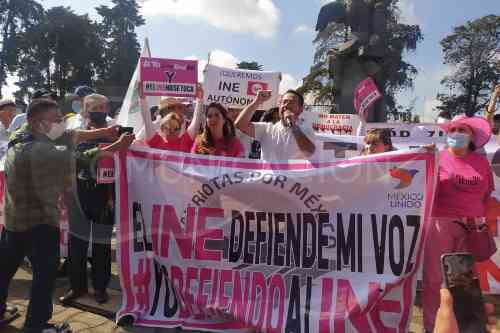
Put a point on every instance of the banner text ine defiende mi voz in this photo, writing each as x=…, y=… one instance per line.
x=279, y=239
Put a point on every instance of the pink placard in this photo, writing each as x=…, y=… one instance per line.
x=106, y=168
x=169, y=77
x=365, y=96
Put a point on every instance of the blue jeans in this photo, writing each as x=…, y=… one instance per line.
x=41, y=246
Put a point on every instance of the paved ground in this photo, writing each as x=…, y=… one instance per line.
x=87, y=322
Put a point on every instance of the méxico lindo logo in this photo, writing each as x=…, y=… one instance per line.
x=403, y=199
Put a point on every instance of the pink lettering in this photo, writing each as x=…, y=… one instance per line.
x=204, y=234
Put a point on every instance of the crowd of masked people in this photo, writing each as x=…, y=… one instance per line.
x=51, y=157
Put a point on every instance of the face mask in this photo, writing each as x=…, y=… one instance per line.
x=458, y=140
x=76, y=106
x=98, y=118
x=56, y=130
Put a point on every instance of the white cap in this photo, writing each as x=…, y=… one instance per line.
x=7, y=101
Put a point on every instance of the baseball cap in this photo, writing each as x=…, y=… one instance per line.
x=7, y=102
x=44, y=93
x=83, y=91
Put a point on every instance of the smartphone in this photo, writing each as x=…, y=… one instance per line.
x=461, y=280
x=126, y=130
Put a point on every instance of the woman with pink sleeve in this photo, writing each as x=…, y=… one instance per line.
x=465, y=183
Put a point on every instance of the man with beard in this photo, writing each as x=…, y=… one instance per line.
x=285, y=140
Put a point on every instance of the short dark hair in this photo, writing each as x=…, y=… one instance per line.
x=40, y=105
x=496, y=117
x=445, y=115
x=83, y=91
x=296, y=93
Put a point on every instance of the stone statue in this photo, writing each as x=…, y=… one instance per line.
x=359, y=57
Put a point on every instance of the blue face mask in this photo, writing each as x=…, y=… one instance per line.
x=458, y=140
x=76, y=106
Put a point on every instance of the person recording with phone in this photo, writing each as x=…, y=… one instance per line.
x=91, y=207
x=446, y=320
x=285, y=140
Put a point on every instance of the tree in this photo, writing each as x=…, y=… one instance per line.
x=16, y=16
x=400, y=74
x=61, y=52
x=122, y=50
x=253, y=65
x=473, y=50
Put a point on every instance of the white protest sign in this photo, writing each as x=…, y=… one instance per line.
x=339, y=124
x=412, y=134
x=238, y=88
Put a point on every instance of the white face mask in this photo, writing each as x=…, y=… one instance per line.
x=56, y=130
x=76, y=106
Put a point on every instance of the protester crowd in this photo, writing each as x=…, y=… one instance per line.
x=52, y=156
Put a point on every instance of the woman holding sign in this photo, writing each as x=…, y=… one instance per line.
x=169, y=137
x=465, y=183
x=218, y=136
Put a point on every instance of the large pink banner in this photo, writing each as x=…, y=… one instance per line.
x=232, y=245
x=168, y=77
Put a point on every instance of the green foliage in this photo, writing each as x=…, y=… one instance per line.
x=59, y=50
x=16, y=16
x=59, y=53
x=473, y=49
x=122, y=50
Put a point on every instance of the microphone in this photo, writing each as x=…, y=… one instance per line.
x=289, y=120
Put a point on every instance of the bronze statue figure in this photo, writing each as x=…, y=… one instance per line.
x=360, y=56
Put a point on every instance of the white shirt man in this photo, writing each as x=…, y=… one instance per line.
x=287, y=139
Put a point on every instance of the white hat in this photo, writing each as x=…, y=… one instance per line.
x=7, y=101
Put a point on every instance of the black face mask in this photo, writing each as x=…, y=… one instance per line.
x=98, y=118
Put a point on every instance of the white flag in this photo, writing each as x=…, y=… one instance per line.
x=134, y=111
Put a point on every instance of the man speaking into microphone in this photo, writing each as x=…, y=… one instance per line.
x=287, y=139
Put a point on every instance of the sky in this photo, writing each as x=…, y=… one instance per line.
x=278, y=34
